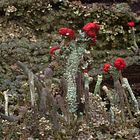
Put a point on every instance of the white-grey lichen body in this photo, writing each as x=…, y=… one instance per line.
x=70, y=73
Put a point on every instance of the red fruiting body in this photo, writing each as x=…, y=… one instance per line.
x=91, y=34
x=106, y=67
x=91, y=28
x=120, y=63
x=67, y=32
x=131, y=24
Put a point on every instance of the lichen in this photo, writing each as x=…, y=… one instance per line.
x=70, y=73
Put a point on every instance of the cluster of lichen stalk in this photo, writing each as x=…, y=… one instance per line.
x=47, y=103
x=121, y=86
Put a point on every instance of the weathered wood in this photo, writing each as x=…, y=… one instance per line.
x=37, y=82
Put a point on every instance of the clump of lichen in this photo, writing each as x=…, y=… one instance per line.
x=65, y=104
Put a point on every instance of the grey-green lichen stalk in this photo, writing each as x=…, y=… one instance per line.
x=136, y=48
x=70, y=73
x=97, y=86
x=135, y=102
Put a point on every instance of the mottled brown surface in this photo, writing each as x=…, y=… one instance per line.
x=134, y=4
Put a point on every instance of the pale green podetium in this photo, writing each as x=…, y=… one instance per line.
x=70, y=73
